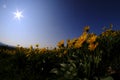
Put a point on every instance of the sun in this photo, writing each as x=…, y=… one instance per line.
x=18, y=14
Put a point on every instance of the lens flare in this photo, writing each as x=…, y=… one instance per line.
x=18, y=14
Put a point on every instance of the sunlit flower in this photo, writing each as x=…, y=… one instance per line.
x=92, y=39
x=92, y=46
x=43, y=50
x=78, y=44
x=81, y=40
x=70, y=43
x=60, y=44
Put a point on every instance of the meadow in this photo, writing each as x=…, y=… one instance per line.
x=88, y=57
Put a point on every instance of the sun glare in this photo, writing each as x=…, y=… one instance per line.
x=18, y=14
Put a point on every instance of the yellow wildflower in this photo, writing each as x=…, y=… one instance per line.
x=92, y=46
x=92, y=39
x=43, y=50
x=78, y=44
x=83, y=37
x=70, y=43
x=81, y=40
x=60, y=44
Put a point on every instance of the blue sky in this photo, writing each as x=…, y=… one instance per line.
x=46, y=22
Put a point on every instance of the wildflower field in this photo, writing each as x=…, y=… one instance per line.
x=88, y=57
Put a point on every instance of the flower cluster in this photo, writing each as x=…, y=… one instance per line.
x=91, y=41
x=60, y=44
x=73, y=61
x=81, y=40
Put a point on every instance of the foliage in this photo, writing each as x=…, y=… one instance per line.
x=85, y=57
